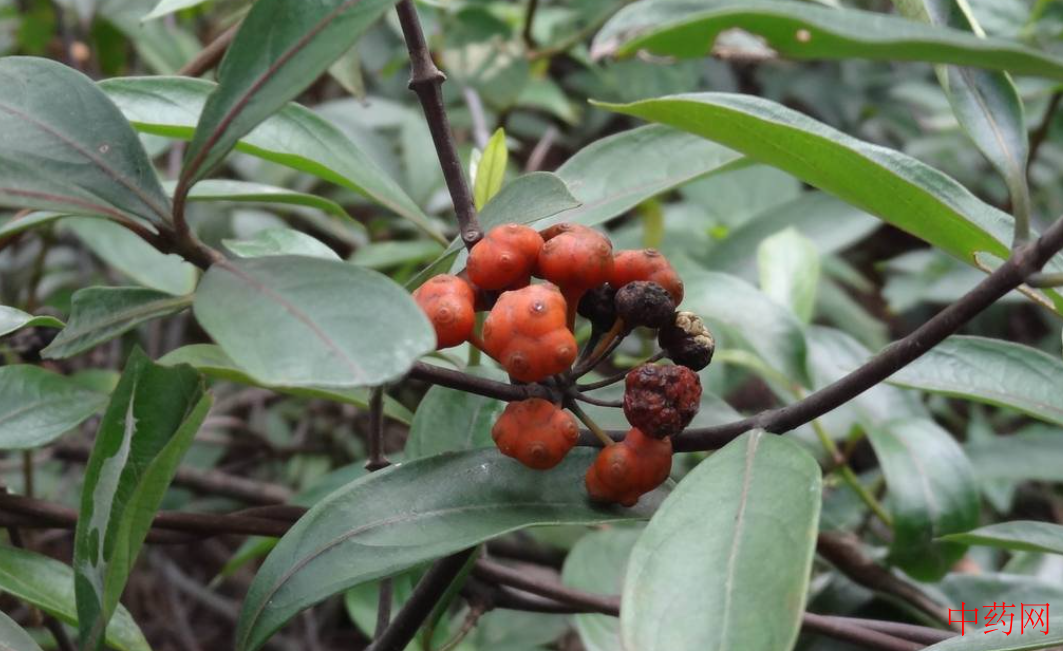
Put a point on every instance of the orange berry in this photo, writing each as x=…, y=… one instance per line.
x=526, y=333
x=575, y=258
x=625, y=471
x=448, y=302
x=505, y=257
x=535, y=432
x=649, y=265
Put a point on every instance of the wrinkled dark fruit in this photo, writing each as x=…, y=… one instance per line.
x=687, y=341
x=645, y=303
x=661, y=400
x=598, y=307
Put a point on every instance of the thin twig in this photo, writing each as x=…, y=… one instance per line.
x=1040, y=134
x=376, y=460
x=430, y=589
x=862, y=636
x=211, y=55
x=498, y=573
x=529, y=21
x=621, y=376
x=1024, y=261
x=426, y=81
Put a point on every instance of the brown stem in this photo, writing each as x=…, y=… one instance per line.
x=376, y=460
x=426, y=80
x=211, y=55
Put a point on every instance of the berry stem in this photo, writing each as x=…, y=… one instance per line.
x=605, y=347
x=619, y=377
x=589, y=422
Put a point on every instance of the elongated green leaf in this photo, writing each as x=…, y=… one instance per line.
x=99, y=314
x=387, y=522
x=491, y=170
x=992, y=371
x=933, y=491
x=212, y=361
x=279, y=50
x=295, y=137
x=280, y=241
x=49, y=160
x=789, y=271
x=154, y=413
x=135, y=258
x=829, y=222
x=245, y=191
x=1019, y=535
x=985, y=102
x=49, y=585
x=37, y=406
x=12, y=319
x=597, y=564
x=13, y=638
x=22, y=223
x=892, y=186
x=688, y=28
x=448, y=420
x=1033, y=453
x=166, y=7
x=994, y=639
x=607, y=185
x=736, y=539
x=327, y=321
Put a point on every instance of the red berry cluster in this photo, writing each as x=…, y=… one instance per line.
x=529, y=331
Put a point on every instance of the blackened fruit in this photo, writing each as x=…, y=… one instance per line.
x=687, y=341
x=645, y=303
x=598, y=306
x=661, y=400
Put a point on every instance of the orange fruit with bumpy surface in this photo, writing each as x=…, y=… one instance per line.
x=526, y=333
x=535, y=432
x=646, y=264
x=625, y=471
x=448, y=302
x=505, y=257
x=575, y=258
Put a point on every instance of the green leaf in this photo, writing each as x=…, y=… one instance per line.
x=326, y=321
x=1019, y=535
x=37, y=406
x=892, y=186
x=986, y=103
x=1033, y=453
x=387, y=522
x=993, y=371
x=735, y=539
x=733, y=307
x=933, y=491
x=294, y=136
x=606, y=184
x=996, y=640
x=166, y=7
x=135, y=258
x=151, y=420
x=280, y=241
x=13, y=638
x=491, y=170
x=448, y=420
x=213, y=362
x=49, y=585
x=22, y=223
x=12, y=319
x=789, y=271
x=597, y=564
x=99, y=314
x=688, y=28
x=50, y=161
x=245, y=191
x=279, y=50
x=829, y=222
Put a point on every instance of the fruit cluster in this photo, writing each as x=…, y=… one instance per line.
x=529, y=330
